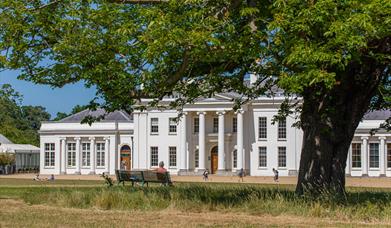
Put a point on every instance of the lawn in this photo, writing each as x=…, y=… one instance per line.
x=89, y=203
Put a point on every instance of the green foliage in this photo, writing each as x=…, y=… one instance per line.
x=7, y=159
x=19, y=123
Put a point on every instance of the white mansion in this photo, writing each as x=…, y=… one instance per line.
x=210, y=135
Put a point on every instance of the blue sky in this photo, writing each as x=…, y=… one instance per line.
x=54, y=100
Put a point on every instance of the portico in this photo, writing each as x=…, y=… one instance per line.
x=201, y=131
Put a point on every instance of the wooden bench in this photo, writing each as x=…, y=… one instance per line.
x=143, y=177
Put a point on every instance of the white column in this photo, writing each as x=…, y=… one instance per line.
x=93, y=155
x=107, y=157
x=348, y=163
x=221, y=150
x=364, y=156
x=201, y=141
x=183, y=153
x=63, y=156
x=239, y=138
x=78, y=155
x=382, y=156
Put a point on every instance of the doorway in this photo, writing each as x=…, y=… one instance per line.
x=214, y=159
x=126, y=159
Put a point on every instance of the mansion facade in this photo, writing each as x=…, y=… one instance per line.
x=209, y=135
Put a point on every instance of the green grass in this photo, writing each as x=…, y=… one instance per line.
x=360, y=204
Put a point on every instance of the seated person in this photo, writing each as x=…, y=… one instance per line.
x=161, y=168
x=51, y=178
x=36, y=178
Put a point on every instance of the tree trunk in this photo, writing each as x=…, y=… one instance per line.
x=329, y=119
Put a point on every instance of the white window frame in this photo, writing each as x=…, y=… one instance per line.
x=356, y=153
x=215, y=124
x=49, y=155
x=172, y=126
x=196, y=125
x=282, y=157
x=234, y=124
x=71, y=154
x=235, y=159
x=100, y=150
x=154, y=126
x=154, y=157
x=196, y=158
x=86, y=154
x=282, y=129
x=262, y=128
x=376, y=155
x=261, y=150
x=172, y=153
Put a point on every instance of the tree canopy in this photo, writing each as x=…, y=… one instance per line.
x=19, y=123
x=333, y=54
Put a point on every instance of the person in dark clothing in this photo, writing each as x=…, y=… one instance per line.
x=241, y=174
x=275, y=175
x=205, y=175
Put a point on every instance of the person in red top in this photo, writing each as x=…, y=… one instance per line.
x=161, y=168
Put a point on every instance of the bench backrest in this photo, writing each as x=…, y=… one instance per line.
x=148, y=176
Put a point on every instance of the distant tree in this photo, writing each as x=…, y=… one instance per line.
x=19, y=123
x=333, y=54
x=34, y=115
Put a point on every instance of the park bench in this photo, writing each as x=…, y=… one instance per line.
x=143, y=177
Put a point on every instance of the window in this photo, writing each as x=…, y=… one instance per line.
x=235, y=159
x=100, y=154
x=172, y=152
x=281, y=157
x=234, y=124
x=356, y=155
x=196, y=159
x=86, y=154
x=154, y=156
x=196, y=125
x=262, y=157
x=172, y=126
x=389, y=155
x=49, y=154
x=262, y=128
x=282, y=129
x=71, y=151
x=374, y=155
x=154, y=125
x=215, y=125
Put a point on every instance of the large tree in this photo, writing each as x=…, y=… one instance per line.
x=335, y=55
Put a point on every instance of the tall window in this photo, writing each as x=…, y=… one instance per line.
x=262, y=157
x=49, y=154
x=389, y=155
x=356, y=155
x=234, y=124
x=71, y=152
x=215, y=125
x=282, y=129
x=262, y=128
x=374, y=155
x=86, y=154
x=154, y=156
x=281, y=157
x=196, y=158
x=196, y=125
x=172, y=152
x=100, y=154
x=154, y=125
x=235, y=159
x=172, y=126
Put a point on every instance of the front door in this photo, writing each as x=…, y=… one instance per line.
x=213, y=160
x=125, y=158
